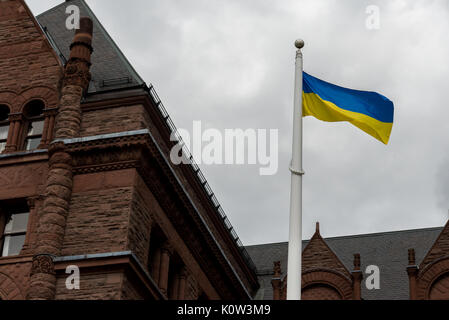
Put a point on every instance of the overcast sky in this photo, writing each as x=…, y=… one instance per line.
x=230, y=64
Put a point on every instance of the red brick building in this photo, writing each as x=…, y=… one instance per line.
x=412, y=264
x=86, y=180
x=85, y=176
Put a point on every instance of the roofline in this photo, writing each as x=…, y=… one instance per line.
x=52, y=8
x=107, y=36
x=114, y=44
x=376, y=234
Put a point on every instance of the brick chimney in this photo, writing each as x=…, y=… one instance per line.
x=412, y=271
x=357, y=277
x=58, y=192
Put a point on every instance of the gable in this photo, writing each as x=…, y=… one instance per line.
x=439, y=249
x=26, y=58
x=318, y=255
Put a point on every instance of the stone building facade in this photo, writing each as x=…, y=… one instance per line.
x=86, y=181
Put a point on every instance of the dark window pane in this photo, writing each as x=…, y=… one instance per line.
x=33, y=143
x=17, y=223
x=4, y=132
x=4, y=112
x=36, y=128
x=12, y=245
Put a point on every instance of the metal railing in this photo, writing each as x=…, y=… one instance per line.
x=201, y=178
x=53, y=44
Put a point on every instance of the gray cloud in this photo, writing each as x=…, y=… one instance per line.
x=230, y=64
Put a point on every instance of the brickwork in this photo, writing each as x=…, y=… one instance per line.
x=93, y=286
x=29, y=67
x=102, y=198
x=318, y=255
x=14, y=276
x=198, y=275
x=98, y=222
x=320, y=292
x=26, y=58
x=440, y=289
x=58, y=192
x=119, y=119
x=139, y=227
x=324, y=277
x=439, y=249
x=429, y=281
x=129, y=291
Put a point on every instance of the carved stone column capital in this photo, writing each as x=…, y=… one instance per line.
x=31, y=202
x=51, y=112
x=42, y=263
x=16, y=117
x=77, y=73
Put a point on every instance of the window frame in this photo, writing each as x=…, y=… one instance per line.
x=28, y=124
x=5, y=123
x=28, y=121
x=7, y=213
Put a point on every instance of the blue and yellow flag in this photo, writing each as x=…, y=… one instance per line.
x=369, y=111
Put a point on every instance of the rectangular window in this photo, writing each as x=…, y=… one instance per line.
x=34, y=136
x=3, y=136
x=14, y=231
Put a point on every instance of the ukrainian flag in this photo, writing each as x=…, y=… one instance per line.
x=369, y=111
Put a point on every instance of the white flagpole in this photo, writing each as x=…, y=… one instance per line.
x=295, y=236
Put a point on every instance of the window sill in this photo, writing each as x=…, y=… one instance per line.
x=16, y=259
x=23, y=157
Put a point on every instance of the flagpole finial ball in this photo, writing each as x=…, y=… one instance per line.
x=299, y=43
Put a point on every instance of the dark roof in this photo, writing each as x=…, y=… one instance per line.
x=110, y=68
x=388, y=251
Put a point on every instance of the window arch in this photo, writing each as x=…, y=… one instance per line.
x=34, y=124
x=4, y=126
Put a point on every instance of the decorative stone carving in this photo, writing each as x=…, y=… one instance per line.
x=77, y=74
x=42, y=264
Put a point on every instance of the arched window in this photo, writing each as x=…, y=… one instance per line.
x=34, y=114
x=4, y=126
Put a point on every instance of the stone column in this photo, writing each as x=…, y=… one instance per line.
x=174, y=292
x=58, y=190
x=31, y=221
x=166, y=252
x=182, y=284
x=47, y=134
x=412, y=271
x=357, y=277
x=156, y=265
x=276, y=281
x=15, y=119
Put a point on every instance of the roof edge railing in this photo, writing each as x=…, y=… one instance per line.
x=201, y=178
x=53, y=44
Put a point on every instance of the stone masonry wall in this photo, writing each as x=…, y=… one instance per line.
x=119, y=119
x=99, y=213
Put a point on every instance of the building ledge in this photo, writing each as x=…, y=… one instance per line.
x=23, y=157
x=125, y=259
